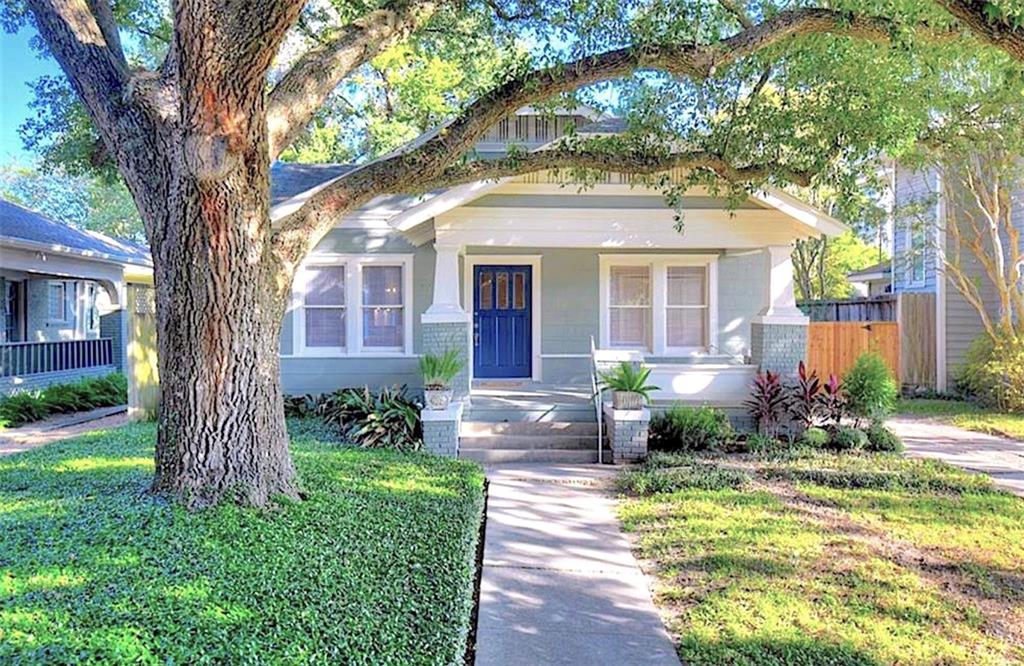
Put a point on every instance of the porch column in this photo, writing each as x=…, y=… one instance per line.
x=445, y=324
x=778, y=334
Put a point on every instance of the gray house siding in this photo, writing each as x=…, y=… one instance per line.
x=300, y=375
x=913, y=187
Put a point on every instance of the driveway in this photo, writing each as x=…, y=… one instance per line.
x=60, y=427
x=999, y=457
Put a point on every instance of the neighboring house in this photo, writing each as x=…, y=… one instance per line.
x=919, y=238
x=872, y=281
x=521, y=274
x=64, y=292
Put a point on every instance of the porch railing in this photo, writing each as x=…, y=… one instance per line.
x=33, y=358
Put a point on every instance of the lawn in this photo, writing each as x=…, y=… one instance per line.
x=967, y=415
x=375, y=567
x=856, y=559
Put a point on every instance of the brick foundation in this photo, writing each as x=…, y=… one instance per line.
x=627, y=433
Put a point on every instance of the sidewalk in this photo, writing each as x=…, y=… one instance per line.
x=560, y=584
x=999, y=457
x=59, y=427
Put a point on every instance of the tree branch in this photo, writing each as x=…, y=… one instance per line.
x=427, y=159
x=306, y=86
x=975, y=15
x=737, y=10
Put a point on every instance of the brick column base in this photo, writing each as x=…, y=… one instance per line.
x=439, y=337
x=441, y=430
x=627, y=433
x=778, y=347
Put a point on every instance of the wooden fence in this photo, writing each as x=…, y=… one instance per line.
x=876, y=308
x=833, y=346
x=143, y=380
x=916, y=314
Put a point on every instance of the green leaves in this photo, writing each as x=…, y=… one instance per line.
x=375, y=566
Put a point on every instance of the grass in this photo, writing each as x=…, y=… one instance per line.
x=375, y=567
x=835, y=559
x=967, y=415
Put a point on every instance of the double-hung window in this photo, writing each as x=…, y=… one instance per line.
x=323, y=311
x=57, y=302
x=917, y=248
x=351, y=305
x=629, y=306
x=662, y=304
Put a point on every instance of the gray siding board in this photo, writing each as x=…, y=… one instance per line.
x=301, y=375
x=740, y=298
x=913, y=187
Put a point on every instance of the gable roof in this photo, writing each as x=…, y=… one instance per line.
x=21, y=226
x=878, y=271
x=287, y=179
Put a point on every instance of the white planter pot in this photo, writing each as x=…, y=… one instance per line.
x=627, y=400
x=438, y=398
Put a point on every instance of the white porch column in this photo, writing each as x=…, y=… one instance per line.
x=445, y=324
x=778, y=334
x=780, y=297
x=446, y=306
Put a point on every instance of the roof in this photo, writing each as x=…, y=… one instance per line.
x=613, y=125
x=19, y=225
x=880, y=270
x=288, y=179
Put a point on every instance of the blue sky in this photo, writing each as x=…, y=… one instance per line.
x=21, y=65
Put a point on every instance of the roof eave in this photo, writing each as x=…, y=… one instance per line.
x=101, y=257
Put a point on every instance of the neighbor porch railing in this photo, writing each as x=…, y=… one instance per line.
x=33, y=358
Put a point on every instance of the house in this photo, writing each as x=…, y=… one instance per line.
x=874, y=280
x=64, y=294
x=921, y=237
x=526, y=275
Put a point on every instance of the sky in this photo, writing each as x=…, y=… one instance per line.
x=20, y=66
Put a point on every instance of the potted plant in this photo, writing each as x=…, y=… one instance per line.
x=628, y=383
x=438, y=372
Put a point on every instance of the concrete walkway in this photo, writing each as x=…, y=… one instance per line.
x=560, y=584
x=999, y=457
x=61, y=426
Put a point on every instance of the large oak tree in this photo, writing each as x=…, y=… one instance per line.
x=736, y=93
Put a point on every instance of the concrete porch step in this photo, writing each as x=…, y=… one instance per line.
x=533, y=415
x=529, y=442
x=533, y=455
x=545, y=428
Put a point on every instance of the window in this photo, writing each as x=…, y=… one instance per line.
x=324, y=307
x=352, y=305
x=57, y=302
x=383, y=310
x=663, y=304
x=686, y=306
x=917, y=239
x=629, y=306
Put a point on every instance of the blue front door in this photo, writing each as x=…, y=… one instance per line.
x=502, y=340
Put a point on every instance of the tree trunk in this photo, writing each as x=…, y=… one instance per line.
x=221, y=295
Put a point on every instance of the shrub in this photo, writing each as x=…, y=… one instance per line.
x=767, y=403
x=683, y=428
x=805, y=399
x=28, y=406
x=833, y=402
x=761, y=443
x=815, y=438
x=848, y=439
x=870, y=389
x=302, y=406
x=993, y=373
x=649, y=479
x=388, y=418
x=881, y=438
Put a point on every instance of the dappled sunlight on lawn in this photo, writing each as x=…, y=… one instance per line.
x=376, y=563
x=764, y=575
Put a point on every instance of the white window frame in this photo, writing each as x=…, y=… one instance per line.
x=50, y=319
x=659, y=264
x=354, y=347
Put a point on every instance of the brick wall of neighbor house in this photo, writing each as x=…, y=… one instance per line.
x=32, y=382
x=38, y=326
x=778, y=347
